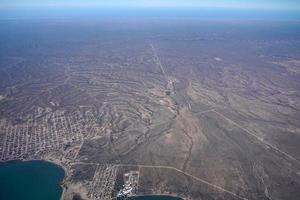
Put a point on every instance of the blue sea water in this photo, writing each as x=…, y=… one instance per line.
x=30, y=180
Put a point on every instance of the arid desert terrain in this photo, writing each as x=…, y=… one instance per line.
x=200, y=109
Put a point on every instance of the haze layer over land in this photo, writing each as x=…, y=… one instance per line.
x=197, y=107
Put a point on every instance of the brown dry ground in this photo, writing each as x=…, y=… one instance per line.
x=205, y=110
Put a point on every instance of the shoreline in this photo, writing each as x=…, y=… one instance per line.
x=53, y=162
x=61, y=165
x=157, y=195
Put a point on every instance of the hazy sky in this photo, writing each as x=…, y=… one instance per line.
x=257, y=4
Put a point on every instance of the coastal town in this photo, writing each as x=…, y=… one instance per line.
x=103, y=182
x=131, y=182
x=43, y=132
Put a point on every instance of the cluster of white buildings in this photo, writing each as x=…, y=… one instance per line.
x=131, y=184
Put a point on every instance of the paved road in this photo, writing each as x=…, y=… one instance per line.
x=178, y=170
